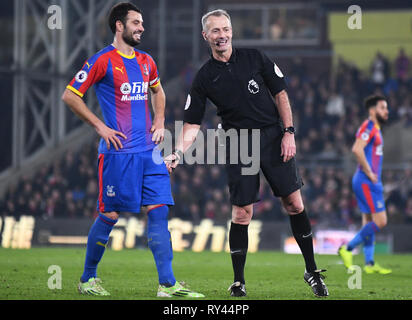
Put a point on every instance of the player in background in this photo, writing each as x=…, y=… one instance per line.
x=367, y=184
x=128, y=176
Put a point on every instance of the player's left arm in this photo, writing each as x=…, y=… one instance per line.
x=358, y=150
x=288, y=146
x=158, y=99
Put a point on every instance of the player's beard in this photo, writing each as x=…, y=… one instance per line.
x=381, y=120
x=127, y=37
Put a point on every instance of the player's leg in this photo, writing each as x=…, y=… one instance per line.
x=369, y=241
x=119, y=190
x=159, y=242
x=96, y=244
x=380, y=219
x=157, y=196
x=345, y=251
x=367, y=230
x=366, y=236
x=99, y=232
x=370, y=199
x=366, y=218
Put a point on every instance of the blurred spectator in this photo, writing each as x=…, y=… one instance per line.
x=402, y=66
x=379, y=69
x=188, y=74
x=394, y=215
x=408, y=211
x=334, y=106
x=277, y=29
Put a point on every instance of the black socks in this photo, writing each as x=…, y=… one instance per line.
x=302, y=232
x=238, y=242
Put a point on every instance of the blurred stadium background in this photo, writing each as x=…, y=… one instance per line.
x=48, y=185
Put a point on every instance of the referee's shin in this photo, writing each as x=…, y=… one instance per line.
x=302, y=231
x=238, y=242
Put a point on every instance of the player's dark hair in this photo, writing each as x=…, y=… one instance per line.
x=119, y=12
x=372, y=101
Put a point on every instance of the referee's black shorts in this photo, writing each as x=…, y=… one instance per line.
x=283, y=177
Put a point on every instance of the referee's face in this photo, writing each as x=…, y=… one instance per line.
x=218, y=33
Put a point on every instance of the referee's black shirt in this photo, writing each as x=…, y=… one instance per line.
x=240, y=89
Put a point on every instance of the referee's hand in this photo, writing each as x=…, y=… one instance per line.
x=288, y=147
x=171, y=161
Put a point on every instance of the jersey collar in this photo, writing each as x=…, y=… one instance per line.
x=376, y=125
x=133, y=55
x=232, y=58
x=126, y=56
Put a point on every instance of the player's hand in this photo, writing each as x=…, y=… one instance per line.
x=288, y=147
x=110, y=136
x=171, y=161
x=158, y=130
x=373, y=177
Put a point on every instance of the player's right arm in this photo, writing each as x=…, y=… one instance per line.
x=358, y=150
x=93, y=71
x=77, y=105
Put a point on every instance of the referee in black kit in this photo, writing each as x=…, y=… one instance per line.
x=241, y=83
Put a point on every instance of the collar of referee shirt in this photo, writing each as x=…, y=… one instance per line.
x=232, y=59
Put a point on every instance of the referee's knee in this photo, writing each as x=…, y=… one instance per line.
x=293, y=208
x=242, y=215
x=293, y=203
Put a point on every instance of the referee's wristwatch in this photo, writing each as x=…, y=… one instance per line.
x=291, y=130
x=178, y=154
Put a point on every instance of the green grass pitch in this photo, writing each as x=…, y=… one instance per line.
x=131, y=274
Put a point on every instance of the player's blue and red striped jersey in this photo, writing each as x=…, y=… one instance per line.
x=121, y=83
x=371, y=133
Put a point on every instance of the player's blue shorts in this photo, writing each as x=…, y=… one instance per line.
x=131, y=180
x=369, y=195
